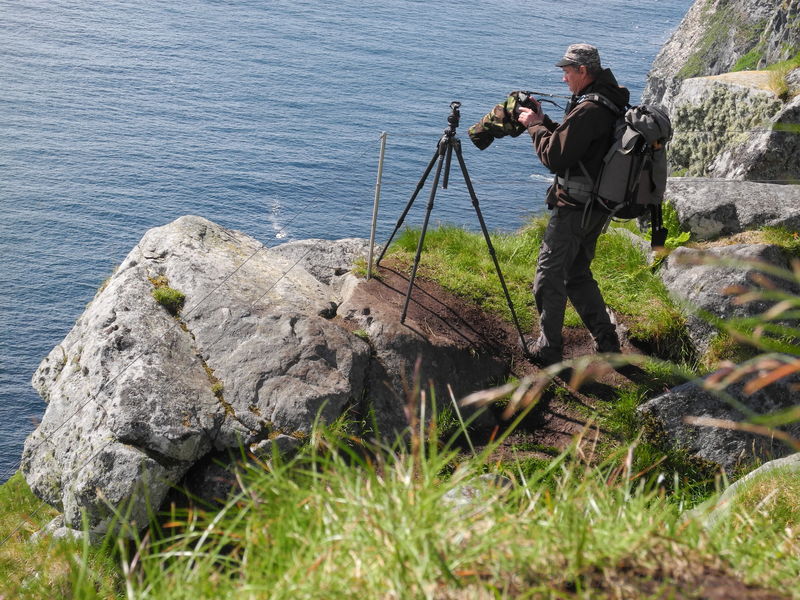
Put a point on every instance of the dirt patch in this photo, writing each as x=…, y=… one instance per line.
x=668, y=578
x=560, y=415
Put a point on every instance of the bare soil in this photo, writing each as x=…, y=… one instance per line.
x=562, y=413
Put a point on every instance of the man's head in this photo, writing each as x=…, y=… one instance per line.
x=581, y=65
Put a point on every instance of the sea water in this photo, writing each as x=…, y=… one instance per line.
x=263, y=116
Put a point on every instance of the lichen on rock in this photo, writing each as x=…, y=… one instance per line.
x=710, y=117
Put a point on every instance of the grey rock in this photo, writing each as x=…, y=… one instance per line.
x=715, y=34
x=698, y=280
x=712, y=208
x=717, y=510
x=56, y=530
x=325, y=260
x=137, y=396
x=727, y=448
x=284, y=445
x=772, y=154
x=140, y=401
x=793, y=81
x=721, y=115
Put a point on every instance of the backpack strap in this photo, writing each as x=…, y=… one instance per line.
x=603, y=101
x=585, y=192
x=658, y=233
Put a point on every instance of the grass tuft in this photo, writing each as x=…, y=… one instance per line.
x=47, y=568
x=169, y=298
x=343, y=519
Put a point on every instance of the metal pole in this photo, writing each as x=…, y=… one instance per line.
x=375, y=204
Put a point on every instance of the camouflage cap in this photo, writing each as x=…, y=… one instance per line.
x=581, y=54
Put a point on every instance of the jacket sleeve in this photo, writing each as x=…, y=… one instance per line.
x=561, y=146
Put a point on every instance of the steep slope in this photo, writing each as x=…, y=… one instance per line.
x=717, y=36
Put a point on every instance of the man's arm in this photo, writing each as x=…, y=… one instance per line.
x=561, y=146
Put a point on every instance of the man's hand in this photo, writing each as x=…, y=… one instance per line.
x=528, y=117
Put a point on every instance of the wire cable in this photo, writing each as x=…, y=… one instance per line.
x=93, y=398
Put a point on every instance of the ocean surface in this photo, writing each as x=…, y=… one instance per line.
x=263, y=116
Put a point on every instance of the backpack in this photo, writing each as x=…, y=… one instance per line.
x=633, y=174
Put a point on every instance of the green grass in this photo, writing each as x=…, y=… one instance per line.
x=333, y=523
x=779, y=71
x=773, y=495
x=48, y=568
x=749, y=61
x=169, y=298
x=786, y=239
x=460, y=261
x=346, y=519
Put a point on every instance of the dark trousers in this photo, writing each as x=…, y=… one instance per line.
x=564, y=272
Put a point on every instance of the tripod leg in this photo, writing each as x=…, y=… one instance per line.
x=420, y=185
x=442, y=153
x=492, y=253
x=447, y=158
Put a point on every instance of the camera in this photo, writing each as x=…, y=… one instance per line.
x=525, y=99
x=502, y=119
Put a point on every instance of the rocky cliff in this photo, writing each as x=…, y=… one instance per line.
x=718, y=36
x=730, y=120
x=260, y=343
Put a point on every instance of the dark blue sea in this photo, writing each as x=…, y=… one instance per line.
x=264, y=116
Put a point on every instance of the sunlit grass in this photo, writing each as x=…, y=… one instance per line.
x=345, y=518
x=47, y=568
x=339, y=522
x=460, y=261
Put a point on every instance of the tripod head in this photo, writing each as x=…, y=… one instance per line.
x=453, y=119
x=449, y=139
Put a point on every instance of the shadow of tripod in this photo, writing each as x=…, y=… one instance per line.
x=442, y=157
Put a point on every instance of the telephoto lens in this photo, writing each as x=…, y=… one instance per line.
x=501, y=120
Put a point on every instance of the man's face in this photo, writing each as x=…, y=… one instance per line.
x=576, y=78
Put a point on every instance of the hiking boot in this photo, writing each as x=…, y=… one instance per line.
x=607, y=344
x=543, y=356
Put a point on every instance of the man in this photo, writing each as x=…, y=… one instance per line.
x=573, y=150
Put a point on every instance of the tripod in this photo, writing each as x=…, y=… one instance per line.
x=441, y=157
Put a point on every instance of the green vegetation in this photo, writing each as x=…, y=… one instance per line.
x=331, y=523
x=345, y=520
x=749, y=61
x=678, y=234
x=48, y=568
x=169, y=298
x=776, y=494
x=778, y=79
x=723, y=24
x=460, y=262
x=786, y=239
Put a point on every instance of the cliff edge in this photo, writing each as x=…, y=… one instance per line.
x=718, y=36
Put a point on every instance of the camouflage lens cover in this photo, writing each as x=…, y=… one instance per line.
x=498, y=122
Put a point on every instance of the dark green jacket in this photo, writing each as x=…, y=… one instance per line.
x=584, y=135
